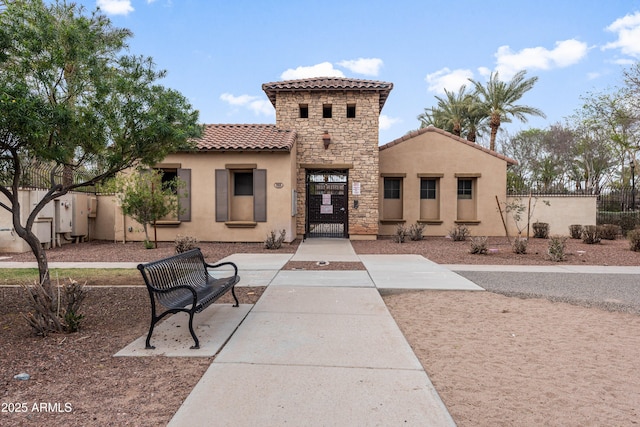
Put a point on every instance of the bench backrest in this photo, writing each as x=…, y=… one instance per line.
x=187, y=268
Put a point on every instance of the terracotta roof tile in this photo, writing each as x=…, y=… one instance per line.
x=450, y=135
x=245, y=137
x=328, y=84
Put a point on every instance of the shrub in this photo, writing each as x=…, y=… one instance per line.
x=459, y=233
x=609, y=231
x=540, y=230
x=64, y=318
x=520, y=246
x=479, y=246
x=628, y=222
x=74, y=295
x=634, y=240
x=416, y=231
x=575, y=231
x=185, y=243
x=401, y=234
x=590, y=234
x=148, y=244
x=274, y=242
x=556, y=249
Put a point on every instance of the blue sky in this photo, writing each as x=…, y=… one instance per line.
x=219, y=52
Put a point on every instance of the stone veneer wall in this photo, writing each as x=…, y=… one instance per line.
x=354, y=141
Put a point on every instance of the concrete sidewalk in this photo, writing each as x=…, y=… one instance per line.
x=317, y=349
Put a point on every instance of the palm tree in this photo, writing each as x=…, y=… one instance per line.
x=457, y=113
x=499, y=99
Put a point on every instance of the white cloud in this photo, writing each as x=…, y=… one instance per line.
x=115, y=7
x=448, y=79
x=565, y=53
x=484, y=72
x=628, y=30
x=385, y=122
x=260, y=106
x=324, y=69
x=366, y=66
x=623, y=61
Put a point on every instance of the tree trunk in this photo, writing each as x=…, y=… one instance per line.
x=39, y=253
x=495, y=125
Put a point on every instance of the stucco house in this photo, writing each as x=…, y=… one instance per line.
x=319, y=171
x=438, y=179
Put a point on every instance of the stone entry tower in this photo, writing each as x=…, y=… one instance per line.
x=336, y=121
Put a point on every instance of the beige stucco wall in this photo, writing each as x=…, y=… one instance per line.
x=354, y=146
x=280, y=168
x=559, y=213
x=435, y=154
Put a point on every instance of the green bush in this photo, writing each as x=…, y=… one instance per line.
x=609, y=231
x=590, y=234
x=540, y=230
x=401, y=233
x=273, y=242
x=634, y=240
x=479, y=245
x=556, y=248
x=575, y=231
x=459, y=233
x=520, y=246
x=185, y=243
x=416, y=232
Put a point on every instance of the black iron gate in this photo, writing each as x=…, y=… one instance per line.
x=327, y=213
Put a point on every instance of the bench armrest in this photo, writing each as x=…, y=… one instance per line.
x=235, y=267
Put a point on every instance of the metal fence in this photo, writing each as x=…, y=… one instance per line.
x=615, y=205
x=38, y=175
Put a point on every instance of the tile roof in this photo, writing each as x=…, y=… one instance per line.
x=432, y=128
x=328, y=84
x=245, y=137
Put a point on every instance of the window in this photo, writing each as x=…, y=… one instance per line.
x=465, y=189
x=243, y=184
x=240, y=195
x=326, y=111
x=351, y=111
x=304, y=111
x=169, y=178
x=428, y=188
x=392, y=188
x=179, y=180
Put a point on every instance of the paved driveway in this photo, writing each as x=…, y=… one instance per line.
x=619, y=292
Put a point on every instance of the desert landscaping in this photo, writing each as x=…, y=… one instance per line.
x=494, y=359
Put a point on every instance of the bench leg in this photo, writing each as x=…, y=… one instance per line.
x=233, y=292
x=148, y=343
x=193, y=334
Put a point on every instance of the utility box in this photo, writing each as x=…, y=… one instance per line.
x=47, y=212
x=42, y=230
x=93, y=207
x=64, y=215
x=80, y=215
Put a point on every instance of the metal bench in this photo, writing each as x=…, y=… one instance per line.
x=183, y=283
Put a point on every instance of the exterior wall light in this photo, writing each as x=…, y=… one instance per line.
x=326, y=139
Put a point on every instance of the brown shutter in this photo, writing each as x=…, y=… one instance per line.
x=260, y=195
x=222, y=195
x=184, y=195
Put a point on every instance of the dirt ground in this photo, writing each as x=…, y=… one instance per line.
x=494, y=360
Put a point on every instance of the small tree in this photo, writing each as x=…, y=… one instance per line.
x=146, y=198
x=70, y=100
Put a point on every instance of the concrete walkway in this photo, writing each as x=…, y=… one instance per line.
x=320, y=348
